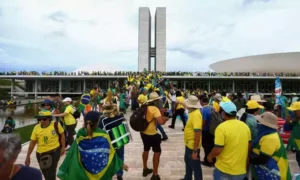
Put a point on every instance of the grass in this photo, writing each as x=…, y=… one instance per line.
x=24, y=132
x=4, y=82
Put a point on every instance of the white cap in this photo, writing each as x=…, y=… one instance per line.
x=67, y=99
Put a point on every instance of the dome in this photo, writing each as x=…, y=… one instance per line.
x=268, y=63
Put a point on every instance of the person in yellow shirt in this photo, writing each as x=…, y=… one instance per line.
x=179, y=110
x=232, y=145
x=150, y=137
x=48, y=136
x=69, y=120
x=142, y=98
x=192, y=139
x=224, y=97
x=218, y=99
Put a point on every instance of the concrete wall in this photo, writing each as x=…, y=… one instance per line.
x=160, y=38
x=144, y=43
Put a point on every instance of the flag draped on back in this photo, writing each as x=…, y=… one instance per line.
x=90, y=159
x=278, y=90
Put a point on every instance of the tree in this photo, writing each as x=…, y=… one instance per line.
x=3, y=94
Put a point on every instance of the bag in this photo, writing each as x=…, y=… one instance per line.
x=138, y=120
x=216, y=119
x=59, y=136
x=45, y=162
x=76, y=114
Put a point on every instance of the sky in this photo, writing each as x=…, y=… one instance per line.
x=103, y=34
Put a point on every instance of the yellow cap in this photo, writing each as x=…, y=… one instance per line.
x=253, y=105
x=294, y=107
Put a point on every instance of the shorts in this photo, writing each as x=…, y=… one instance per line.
x=151, y=141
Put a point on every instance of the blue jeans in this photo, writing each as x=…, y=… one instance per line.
x=219, y=175
x=192, y=166
x=162, y=131
x=120, y=152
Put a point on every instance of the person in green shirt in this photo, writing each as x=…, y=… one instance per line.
x=9, y=125
x=252, y=109
x=293, y=124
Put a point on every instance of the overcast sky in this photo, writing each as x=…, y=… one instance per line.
x=103, y=34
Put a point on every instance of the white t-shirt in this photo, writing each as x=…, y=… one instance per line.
x=173, y=98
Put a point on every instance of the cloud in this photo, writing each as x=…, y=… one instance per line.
x=78, y=34
x=58, y=16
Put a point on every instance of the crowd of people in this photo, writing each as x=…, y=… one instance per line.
x=132, y=73
x=238, y=133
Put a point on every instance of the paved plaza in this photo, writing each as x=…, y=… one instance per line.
x=171, y=162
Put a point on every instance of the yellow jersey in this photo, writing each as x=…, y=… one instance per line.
x=69, y=118
x=234, y=136
x=181, y=100
x=216, y=106
x=194, y=124
x=47, y=138
x=152, y=113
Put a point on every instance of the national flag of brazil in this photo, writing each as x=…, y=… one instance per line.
x=90, y=159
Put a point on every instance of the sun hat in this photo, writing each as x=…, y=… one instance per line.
x=44, y=113
x=92, y=116
x=153, y=96
x=293, y=94
x=228, y=107
x=67, y=99
x=218, y=97
x=257, y=98
x=192, y=102
x=268, y=119
x=108, y=108
x=252, y=104
x=294, y=107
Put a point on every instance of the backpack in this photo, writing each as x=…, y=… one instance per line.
x=216, y=119
x=76, y=114
x=138, y=120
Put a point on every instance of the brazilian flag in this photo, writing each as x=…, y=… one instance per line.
x=90, y=159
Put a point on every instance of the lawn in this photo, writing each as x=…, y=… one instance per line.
x=24, y=132
x=4, y=82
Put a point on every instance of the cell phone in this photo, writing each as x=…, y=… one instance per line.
x=166, y=114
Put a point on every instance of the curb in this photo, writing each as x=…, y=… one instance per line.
x=24, y=144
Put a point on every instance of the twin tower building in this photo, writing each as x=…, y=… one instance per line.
x=157, y=51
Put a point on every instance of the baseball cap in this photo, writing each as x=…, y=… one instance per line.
x=228, y=107
x=252, y=104
x=67, y=99
x=294, y=107
x=47, y=101
x=92, y=116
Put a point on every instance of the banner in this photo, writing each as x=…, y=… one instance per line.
x=278, y=90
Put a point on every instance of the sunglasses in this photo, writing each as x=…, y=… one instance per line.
x=42, y=119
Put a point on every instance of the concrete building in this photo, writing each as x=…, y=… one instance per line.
x=160, y=39
x=145, y=50
x=266, y=63
x=144, y=60
x=75, y=85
